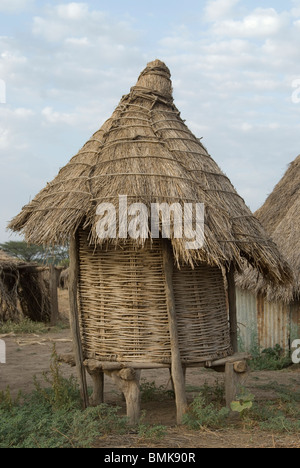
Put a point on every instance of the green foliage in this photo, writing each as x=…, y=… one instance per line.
x=7, y=402
x=280, y=414
x=270, y=359
x=150, y=432
x=24, y=326
x=150, y=392
x=61, y=392
x=243, y=402
x=202, y=415
x=36, y=253
x=51, y=417
x=28, y=326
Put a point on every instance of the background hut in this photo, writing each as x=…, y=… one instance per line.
x=151, y=303
x=23, y=291
x=272, y=315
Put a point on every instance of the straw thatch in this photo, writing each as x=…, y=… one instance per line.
x=280, y=217
x=146, y=151
x=23, y=291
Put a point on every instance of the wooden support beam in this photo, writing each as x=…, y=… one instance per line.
x=232, y=309
x=111, y=365
x=233, y=358
x=97, y=376
x=128, y=381
x=53, y=296
x=176, y=366
x=74, y=321
x=234, y=381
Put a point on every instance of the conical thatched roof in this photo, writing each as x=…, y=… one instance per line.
x=146, y=151
x=280, y=216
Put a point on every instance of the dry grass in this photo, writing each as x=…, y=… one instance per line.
x=146, y=151
x=280, y=217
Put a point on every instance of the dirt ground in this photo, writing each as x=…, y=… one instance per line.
x=29, y=355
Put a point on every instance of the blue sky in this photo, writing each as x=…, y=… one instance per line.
x=235, y=67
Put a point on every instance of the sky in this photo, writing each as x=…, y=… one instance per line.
x=64, y=67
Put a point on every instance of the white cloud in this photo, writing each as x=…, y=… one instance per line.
x=78, y=20
x=78, y=41
x=232, y=76
x=217, y=9
x=296, y=10
x=73, y=11
x=15, y=6
x=54, y=117
x=262, y=22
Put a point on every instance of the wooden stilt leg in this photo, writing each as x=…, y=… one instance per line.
x=97, y=376
x=74, y=321
x=128, y=381
x=236, y=374
x=176, y=366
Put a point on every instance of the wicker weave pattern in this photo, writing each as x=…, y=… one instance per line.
x=201, y=314
x=123, y=303
x=123, y=308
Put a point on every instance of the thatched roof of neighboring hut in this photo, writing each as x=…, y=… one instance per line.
x=22, y=289
x=280, y=216
x=6, y=259
x=146, y=151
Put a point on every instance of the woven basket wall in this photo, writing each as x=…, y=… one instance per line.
x=123, y=312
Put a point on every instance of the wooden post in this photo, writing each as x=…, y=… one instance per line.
x=53, y=296
x=232, y=309
x=236, y=374
x=97, y=376
x=128, y=381
x=74, y=321
x=176, y=366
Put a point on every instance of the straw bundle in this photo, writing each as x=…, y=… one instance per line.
x=146, y=151
x=280, y=217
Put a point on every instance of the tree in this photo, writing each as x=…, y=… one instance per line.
x=36, y=253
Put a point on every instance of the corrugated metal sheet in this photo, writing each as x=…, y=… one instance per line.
x=247, y=318
x=266, y=324
x=295, y=321
x=273, y=320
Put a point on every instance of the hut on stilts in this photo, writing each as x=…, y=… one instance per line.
x=137, y=301
x=275, y=312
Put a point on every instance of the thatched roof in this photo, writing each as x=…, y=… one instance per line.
x=6, y=259
x=280, y=216
x=146, y=151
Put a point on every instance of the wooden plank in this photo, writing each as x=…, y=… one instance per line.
x=176, y=366
x=110, y=365
x=232, y=309
x=74, y=321
x=234, y=358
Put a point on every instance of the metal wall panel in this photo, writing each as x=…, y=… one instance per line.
x=266, y=323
